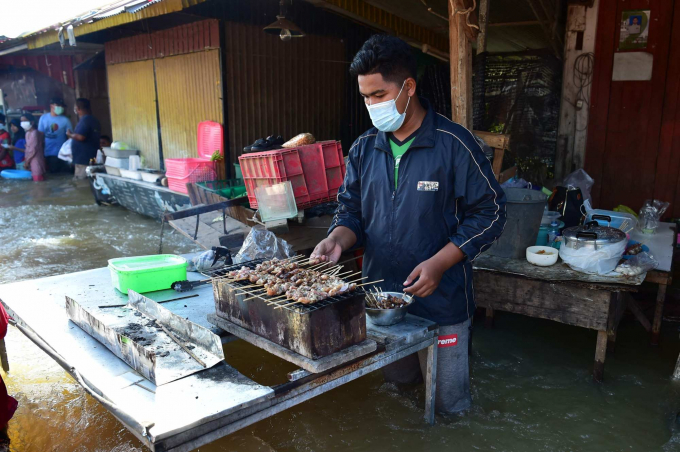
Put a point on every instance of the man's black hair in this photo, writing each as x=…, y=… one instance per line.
x=386, y=55
x=83, y=104
x=105, y=137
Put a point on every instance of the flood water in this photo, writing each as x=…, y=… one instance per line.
x=531, y=379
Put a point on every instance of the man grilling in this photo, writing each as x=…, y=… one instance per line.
x=421, y=199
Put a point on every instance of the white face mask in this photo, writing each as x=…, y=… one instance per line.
x=385, y=116
x=25, y=125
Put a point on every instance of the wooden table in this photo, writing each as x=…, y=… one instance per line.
x=555, y=293
x=196, y=410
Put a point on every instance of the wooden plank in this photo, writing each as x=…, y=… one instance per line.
x=607, y=22
x=495, y=140
x=557, y=272
x=667, y=183
x=207, y=237
x=497, y=162
x=431, y=382
x=563, y=303
x=600, y=354
x=617, y=307
x=483, y=23
x=508, y=174
x=311, y=365
x=658, y=314
x=567, y=318
x=460, y=50
x=637, y=312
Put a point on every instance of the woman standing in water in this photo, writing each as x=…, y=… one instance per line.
x=35, y=157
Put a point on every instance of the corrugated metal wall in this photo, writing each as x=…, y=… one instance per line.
x=193, y=37
x=133, y=107
x=282, y=88
x=189, y=91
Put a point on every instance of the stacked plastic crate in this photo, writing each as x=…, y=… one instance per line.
x=181, y=172
x=316, y=172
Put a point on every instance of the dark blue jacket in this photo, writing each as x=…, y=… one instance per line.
x=401, y=228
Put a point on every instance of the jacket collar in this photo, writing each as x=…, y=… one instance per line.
x=426, y=133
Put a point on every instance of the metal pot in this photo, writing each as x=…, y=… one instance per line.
x=591, y=236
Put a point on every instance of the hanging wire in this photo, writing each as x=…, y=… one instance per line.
x=466, y=12
x=583, y=79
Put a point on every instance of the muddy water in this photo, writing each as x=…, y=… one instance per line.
x=532, y=387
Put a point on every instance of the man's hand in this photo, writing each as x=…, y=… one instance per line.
x=69, y=133
x=428, y=274
x=328, y=250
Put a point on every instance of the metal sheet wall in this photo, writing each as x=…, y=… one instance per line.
x=189, y=91
x=193, y=37
x=133, y=107
x=282, y=88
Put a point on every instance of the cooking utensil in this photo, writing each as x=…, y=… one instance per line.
x=592, y=236
x=387, y=317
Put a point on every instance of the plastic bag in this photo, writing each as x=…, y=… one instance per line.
x=515, y=183
x=120, y=146
x=203, y=262
x=580, y=179
x=641, y=263
x=263, y=244
x=598, y=262
x=65, y=152
x=650, y=215
x=488, y=150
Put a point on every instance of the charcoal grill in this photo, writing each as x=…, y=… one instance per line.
x=314, y=330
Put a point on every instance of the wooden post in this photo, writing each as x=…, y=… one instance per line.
x=600, y=354
x=431, y=380
x=460, y=50
x=483, y=21
x=658, y=314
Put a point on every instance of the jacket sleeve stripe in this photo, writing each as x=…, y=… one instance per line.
x=495, y=195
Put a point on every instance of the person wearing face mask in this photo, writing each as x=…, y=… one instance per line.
x=18, y=145
x=421, y=198
x=34, y=160
x=54, y=126
x=6, y=160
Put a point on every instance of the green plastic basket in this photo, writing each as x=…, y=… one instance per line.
x=231, y=188
x=147, y=273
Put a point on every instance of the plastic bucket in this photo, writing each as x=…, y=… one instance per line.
x=524, y=210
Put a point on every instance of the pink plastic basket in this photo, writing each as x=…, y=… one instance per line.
x=210, y=139
x=199, y=174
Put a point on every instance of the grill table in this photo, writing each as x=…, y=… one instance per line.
x=215, y=402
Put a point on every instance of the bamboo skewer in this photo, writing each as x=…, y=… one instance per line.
x=372, y=282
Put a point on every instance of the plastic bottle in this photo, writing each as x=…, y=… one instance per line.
x=553, y=232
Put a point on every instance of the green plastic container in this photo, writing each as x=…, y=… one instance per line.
x=147, y=273
x=231, y=188
x=237, y=169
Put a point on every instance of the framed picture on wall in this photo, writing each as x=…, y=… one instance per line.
x=634, y=29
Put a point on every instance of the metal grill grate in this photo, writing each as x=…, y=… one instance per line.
x=299, y=308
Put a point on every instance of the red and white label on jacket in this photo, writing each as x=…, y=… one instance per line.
x=448, y=341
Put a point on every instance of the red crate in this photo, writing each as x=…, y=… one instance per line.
x=316, y=172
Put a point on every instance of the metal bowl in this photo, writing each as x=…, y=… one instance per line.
x=387, y=317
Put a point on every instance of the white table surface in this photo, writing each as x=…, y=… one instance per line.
x=174, y=407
